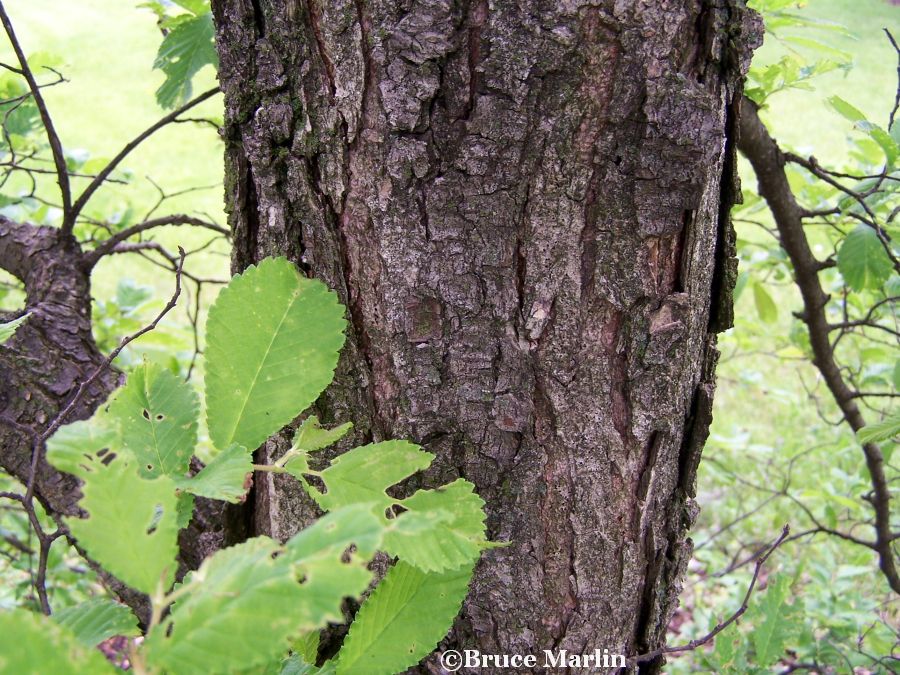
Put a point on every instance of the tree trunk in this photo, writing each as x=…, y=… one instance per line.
x=525, y=207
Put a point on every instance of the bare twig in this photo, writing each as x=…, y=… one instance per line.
x=722, y=625
x=92, y=187
x=110, y=244
x=56, y=148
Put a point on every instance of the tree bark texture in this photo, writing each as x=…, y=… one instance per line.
x=524, y=206
x=52, y=353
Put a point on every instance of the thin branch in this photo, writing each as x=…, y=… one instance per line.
x=893, y=116
x=722, y=625
x=79, y=204
x=110, y=244
x=56, y=148
x=768, y=162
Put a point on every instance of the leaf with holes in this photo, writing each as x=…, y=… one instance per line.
x=862, y=260
x=273, y=339
x=241, y=609
x=364, y=473
x=157, y=416
x=131, y=528
x=403, y=620
x=439, y=529
x=97, y=620
x=330, y=571
x=74, y=447
x=224, y=478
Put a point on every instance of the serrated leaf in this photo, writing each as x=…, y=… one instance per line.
x=403, y=620
x=765, y=305
x=364, y=473
x=770, y=633
x=131, y=528
x=245, y=603
x=31, y=644
x=188, y=47
x=241, y=613
x=273, y=339
x=311, y=436
x=157, y=416
x=881, y=431
x=97, y=620
x=8, y=329
x=223, y=478
x=74, y=447
x=329, y=569
x=862, y=260
x=452, y=530
x=184, y=508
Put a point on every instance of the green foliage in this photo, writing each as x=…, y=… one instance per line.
x=402, y=620
x=772, y=626
x=272, y=346
x=157, y=417
x=224, y=478
x=289, y=330
x=8, y=329
x=188, y=46
x=96, y=620
x=862, y=260
x=132, y=524
x=882, y=431
x=31, y=644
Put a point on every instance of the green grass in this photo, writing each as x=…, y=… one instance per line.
x=107, y=49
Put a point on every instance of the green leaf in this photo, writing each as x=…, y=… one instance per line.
x=240, y=612
x=195, y=7
x=97, y=620
x=8, y=329
x=403, y=620
x=770, y=633
x=157, y=416
x=311, y=436
x=862, y=260
x=450, y=530
x=184, y=508
x=223, y=478
x=765, y=305
x=131, y=529
x=273, y=339
x=364, y=473
x=188, y=47
x=880, y=431
x=846, y=110
x=241, y=609
x=32, y=644
x=329, y=570
x=74, y=447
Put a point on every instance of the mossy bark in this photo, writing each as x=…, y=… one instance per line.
x=524, y=206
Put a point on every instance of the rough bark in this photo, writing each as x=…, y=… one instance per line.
x=50, y=355
x=525, y=207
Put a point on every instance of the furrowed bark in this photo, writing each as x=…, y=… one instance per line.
x=525, y=208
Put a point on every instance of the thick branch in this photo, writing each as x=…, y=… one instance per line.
x=768, y=163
